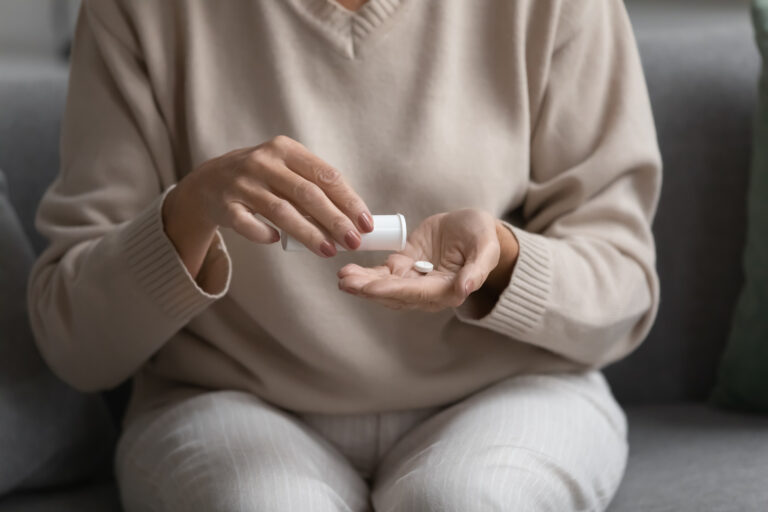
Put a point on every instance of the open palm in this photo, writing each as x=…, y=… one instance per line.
x=463, y=247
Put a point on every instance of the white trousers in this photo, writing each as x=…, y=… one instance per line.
x=528, y=443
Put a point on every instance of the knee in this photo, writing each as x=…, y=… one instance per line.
x=468, y=487
x=276, y=490
x=438, y=488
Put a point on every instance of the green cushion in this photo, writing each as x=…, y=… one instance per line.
x=743, y=376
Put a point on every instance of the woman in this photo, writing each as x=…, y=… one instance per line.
x=194, y=129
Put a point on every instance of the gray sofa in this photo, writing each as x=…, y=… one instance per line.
x=702, y=71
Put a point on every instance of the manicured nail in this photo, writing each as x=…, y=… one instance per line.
x=366, y=222
x=327, y=248
x=353, y=239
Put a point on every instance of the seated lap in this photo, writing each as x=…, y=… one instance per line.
x=536, y=442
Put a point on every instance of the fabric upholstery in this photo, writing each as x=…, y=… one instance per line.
x=743, y=376
x=693, y=458
x=702, y=66
x=31, y=104
x=90, y=498
x=49, y=433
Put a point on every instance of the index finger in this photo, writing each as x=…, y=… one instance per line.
x=308, y=165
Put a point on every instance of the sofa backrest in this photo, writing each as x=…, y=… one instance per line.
x=31, y=104
x=701, y=68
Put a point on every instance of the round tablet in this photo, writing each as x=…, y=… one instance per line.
x=423, y=266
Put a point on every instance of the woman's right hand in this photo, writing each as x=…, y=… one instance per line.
x=282, y=181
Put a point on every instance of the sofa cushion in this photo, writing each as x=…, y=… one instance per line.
x=689, y=458
x=743, y=377
x=94, y=498
x=702, y=67
x=49, y=433
x=32, y=96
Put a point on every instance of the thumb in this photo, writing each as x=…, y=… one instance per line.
x=470, y=279
x=476, y=269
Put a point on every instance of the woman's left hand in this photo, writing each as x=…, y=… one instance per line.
x=465, y=248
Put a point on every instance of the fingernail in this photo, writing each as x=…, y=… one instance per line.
x=327, y=248
x=467, y=288
x=366, y=222
x=353, y=239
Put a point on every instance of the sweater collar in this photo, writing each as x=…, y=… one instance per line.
x=347, y=29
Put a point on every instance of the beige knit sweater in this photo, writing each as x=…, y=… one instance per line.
x=535, y=110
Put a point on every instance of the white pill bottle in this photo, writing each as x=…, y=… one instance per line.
x=389, y=234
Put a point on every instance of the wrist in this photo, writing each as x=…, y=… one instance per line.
x=181, y=209
x=185, y=225
x=510, y=248
x=498, y=279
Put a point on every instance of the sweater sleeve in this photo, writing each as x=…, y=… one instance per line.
x=584, y=285
x=110, y=289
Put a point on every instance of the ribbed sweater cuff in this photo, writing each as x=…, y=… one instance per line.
x=521, y=306
x=159, y=272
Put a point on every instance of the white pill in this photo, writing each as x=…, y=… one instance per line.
x=423, y=266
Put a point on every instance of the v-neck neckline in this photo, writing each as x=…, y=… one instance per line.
x=348, y=31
